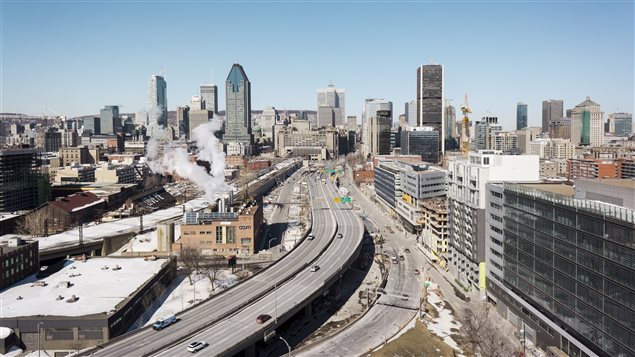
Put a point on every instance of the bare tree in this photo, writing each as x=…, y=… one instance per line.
x=484, y=336
x=33, y=223
x=192, y=261
x=211, y=270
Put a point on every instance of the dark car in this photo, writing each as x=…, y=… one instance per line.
x=261, y=319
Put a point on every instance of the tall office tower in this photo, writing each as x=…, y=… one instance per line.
x=525, y=136
x=587, y=124
x=209, y=93
x=483, y=131
x=422, y=141
x=521, y=116
x=92, y=125
x=430, y=99
x=158, y=97
x=197, y=103
x=621, y=124
x=351, y=122
x=466, y=203
x=451, y=138
x=411, y=112
x=196, y=118
x=559, y=263
x=379, y=132
x=183, y=121
x=330, y=106
x=109, y=119
x=560, y=128
x=238, y=108
x=552, y=110
x=21, y=185
x=267, y=120
x=402, y=122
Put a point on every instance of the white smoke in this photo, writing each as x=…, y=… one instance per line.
x=176, y=160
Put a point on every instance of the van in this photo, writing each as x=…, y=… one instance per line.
x=164, y=322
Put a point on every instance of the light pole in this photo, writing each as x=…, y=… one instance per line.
x=38, y=337
x=286, y=343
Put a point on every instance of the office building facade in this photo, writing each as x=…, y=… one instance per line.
x=209, y=93
x=158, y=102
x=430, y=99
x=109, y=120
x=422, y=141
x=21, y=185
x=587, y=124
x=331, y=104
x=378, y=129
x=560, y=267
x=521, y=116
x=552, y=110
x=238, y=108
x=621, y=124
x=411, y=112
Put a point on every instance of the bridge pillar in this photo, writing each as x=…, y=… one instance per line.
x=250, y=351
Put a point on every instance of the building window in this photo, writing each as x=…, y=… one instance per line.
x=231, y=235
x=219, y=235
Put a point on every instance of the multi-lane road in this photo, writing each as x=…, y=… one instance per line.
x=228, y=321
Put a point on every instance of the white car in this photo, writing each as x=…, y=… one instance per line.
x=310, y=236
x=339, y=235
x=315, y=268
x=196, y=346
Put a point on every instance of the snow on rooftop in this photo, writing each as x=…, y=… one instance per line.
x=99, y=290
x=5, y=332
x=97, y=232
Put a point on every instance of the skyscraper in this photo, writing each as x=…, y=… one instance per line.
x=183, y=121
x=238, y=108
x=209, y=93
x=621, y=124
x=521, y=116
x=587, y=124
x=423, y=141
x=552, y=110
x=109, y=119
x=451, y=142
x=378, y=140
x=158, y=102
x=411, y=112
x=330, y=106
x=430, y=99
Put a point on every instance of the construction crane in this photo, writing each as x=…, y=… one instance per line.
x=465, y=127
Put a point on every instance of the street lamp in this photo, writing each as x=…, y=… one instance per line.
x=38, y=337
x=286, y=343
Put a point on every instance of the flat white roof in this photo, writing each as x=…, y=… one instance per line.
x=99, y=290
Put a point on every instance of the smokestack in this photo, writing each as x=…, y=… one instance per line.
x=221, y=205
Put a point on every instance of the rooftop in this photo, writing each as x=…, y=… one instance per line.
x=558, y=188
x=626, y=183
x=77, y=201
x=99, y=290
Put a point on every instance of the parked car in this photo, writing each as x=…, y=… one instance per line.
x=261, y=319
x=405, y=297
x=339, y=235
x=164, y=322
x=196, y=346
x=315, y=268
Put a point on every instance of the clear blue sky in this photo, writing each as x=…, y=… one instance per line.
x=77, y=56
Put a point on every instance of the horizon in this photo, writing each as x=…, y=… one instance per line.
x=61, y=56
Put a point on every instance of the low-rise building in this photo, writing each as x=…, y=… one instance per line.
x=18, y=259
x=593, y=169
x=65, y=212
x=109, y=173
x=434, y=230
x=75, y=173
x=78, y=155
x=222, y=233
x=365, y=175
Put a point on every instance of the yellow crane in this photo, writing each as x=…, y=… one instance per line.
x=465, y=128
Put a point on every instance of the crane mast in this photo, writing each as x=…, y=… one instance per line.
x=465, y=127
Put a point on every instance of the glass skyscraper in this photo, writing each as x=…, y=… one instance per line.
x=238, y=107
x=430, y=99
x=158, y=101
x=521, y=116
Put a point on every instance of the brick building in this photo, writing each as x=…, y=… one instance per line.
x=66, y=212
x=593, y=169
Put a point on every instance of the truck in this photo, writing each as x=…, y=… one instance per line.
x=164, y=322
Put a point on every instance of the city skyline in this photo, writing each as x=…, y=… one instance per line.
x=495, y=57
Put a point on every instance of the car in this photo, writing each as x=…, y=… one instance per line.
x=405, y=297
x=339, y=235
x=196, y=346
x=406, y=250
x=310, y=236
x=417, y=271
x=261, y=319
x=315, y=268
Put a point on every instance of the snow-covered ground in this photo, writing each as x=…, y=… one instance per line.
x=14, y=352
x=294, y=230
x=443, y=325
x=180, y=295
x=98, y=289
x=146, y=242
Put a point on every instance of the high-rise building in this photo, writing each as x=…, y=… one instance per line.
x=238, y=108
x=92, y=125
x=430, y=99
x=552, y=109
x=183, y=121
x=484, y=131
x=379, y=132
x=330, y=106
x=21, y=185
x=521, y=116
x=560, y=128
x=158, y=102
x=411, y=112
x=466, y=203
x=587, y=124
x=109, y=119
x=559, y=264
x=196, y=118
x=197, y=103
x=268, y=119
x=451, y=137
x=525, y=136
x=209, y=93
x=621, y=124
x=423, y=141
